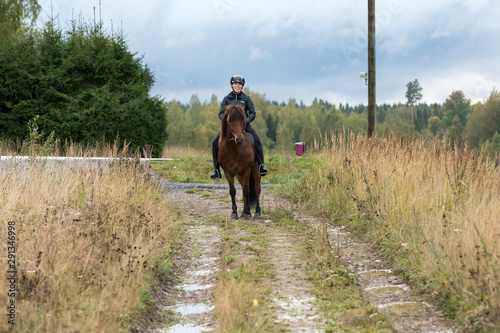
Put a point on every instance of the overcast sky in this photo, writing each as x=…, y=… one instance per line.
x=305, y=49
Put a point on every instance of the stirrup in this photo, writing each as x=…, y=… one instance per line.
x=263, y=170
x=215, y=174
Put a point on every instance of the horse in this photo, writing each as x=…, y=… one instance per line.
x=237, y=158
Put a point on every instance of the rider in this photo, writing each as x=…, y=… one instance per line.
x=238, y=97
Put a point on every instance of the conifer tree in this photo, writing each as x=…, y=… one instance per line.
x=85, y=85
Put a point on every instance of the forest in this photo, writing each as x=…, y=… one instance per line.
x=282, y=124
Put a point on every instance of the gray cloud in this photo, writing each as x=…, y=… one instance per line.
x=314, y=49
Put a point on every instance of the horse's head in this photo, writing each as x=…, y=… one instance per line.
x=234, y=123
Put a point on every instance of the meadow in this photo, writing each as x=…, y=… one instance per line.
x=431, y=210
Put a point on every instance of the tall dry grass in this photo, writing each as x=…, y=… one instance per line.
x=180, y=152
x=42, y=146
x=235, y=309
x=88, y=240
x=433, y=211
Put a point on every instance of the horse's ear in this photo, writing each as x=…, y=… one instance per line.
x=243, y=116
x=224, y=124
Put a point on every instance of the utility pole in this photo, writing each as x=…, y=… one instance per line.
x=372, y=102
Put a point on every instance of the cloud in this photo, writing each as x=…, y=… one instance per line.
x=329, y=68
x=255, y=53
x=316, y=49
x=440, y=33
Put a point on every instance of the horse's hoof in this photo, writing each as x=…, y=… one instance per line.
x=234, y=216
x=256, y=216
x=246, y=216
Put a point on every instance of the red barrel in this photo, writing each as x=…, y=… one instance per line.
x=300, y=148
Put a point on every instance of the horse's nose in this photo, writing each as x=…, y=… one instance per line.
x=239, y=140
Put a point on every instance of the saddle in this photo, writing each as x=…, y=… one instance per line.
x=251, y=138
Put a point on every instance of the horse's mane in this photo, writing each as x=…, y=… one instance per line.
x=234, y=113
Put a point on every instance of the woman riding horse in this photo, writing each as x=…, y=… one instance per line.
x=238, y=97
x=237, y=158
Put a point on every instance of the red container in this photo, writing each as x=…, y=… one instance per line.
x=300, y=148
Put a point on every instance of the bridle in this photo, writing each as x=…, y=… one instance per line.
x=233, y=138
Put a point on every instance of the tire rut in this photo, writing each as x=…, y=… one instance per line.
x=406, y=311
x=188, y=301
x=293, y=300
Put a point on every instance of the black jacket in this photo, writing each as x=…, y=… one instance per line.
x=240, y=99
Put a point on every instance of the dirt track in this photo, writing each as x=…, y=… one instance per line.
x=189, y=301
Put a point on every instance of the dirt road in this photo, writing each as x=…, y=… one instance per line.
x=187, y=305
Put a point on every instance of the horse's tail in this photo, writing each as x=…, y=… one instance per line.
x=252, y=198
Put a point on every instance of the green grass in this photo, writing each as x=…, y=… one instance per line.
x=189, y=169
x=197, y=169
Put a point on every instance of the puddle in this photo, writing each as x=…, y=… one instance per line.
x=407, y=305
x=376, y=271
x=192, y=309
x=194, y=287
x=203, y=272
x=197, y=273
x=185, y=329
x=293, y=302
x=206, y=259
x=387, y=288
x=295, y=318
x=408, y=313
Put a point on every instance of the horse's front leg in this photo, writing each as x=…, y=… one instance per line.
x=257, y=189
x=246, y=203
x=257, y=207
x=232, y=192
x=244, y=181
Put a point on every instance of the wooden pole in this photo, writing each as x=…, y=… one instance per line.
x=372, y=102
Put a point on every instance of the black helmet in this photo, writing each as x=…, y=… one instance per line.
x=238, y=79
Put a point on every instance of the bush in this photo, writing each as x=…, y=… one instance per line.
x=84, y=84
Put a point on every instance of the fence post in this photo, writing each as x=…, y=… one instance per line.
x=147, y=150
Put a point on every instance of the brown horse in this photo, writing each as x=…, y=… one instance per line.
x=237, y=158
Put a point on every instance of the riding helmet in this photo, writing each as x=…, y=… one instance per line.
x=238, y=79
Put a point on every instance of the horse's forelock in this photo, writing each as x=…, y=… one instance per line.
x=236, y=113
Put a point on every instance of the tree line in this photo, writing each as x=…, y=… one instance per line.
x=282, y=124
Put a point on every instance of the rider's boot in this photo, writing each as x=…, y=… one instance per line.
x=260, y=156
x=215, y=174
x=263, y=170
x=215, y=154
